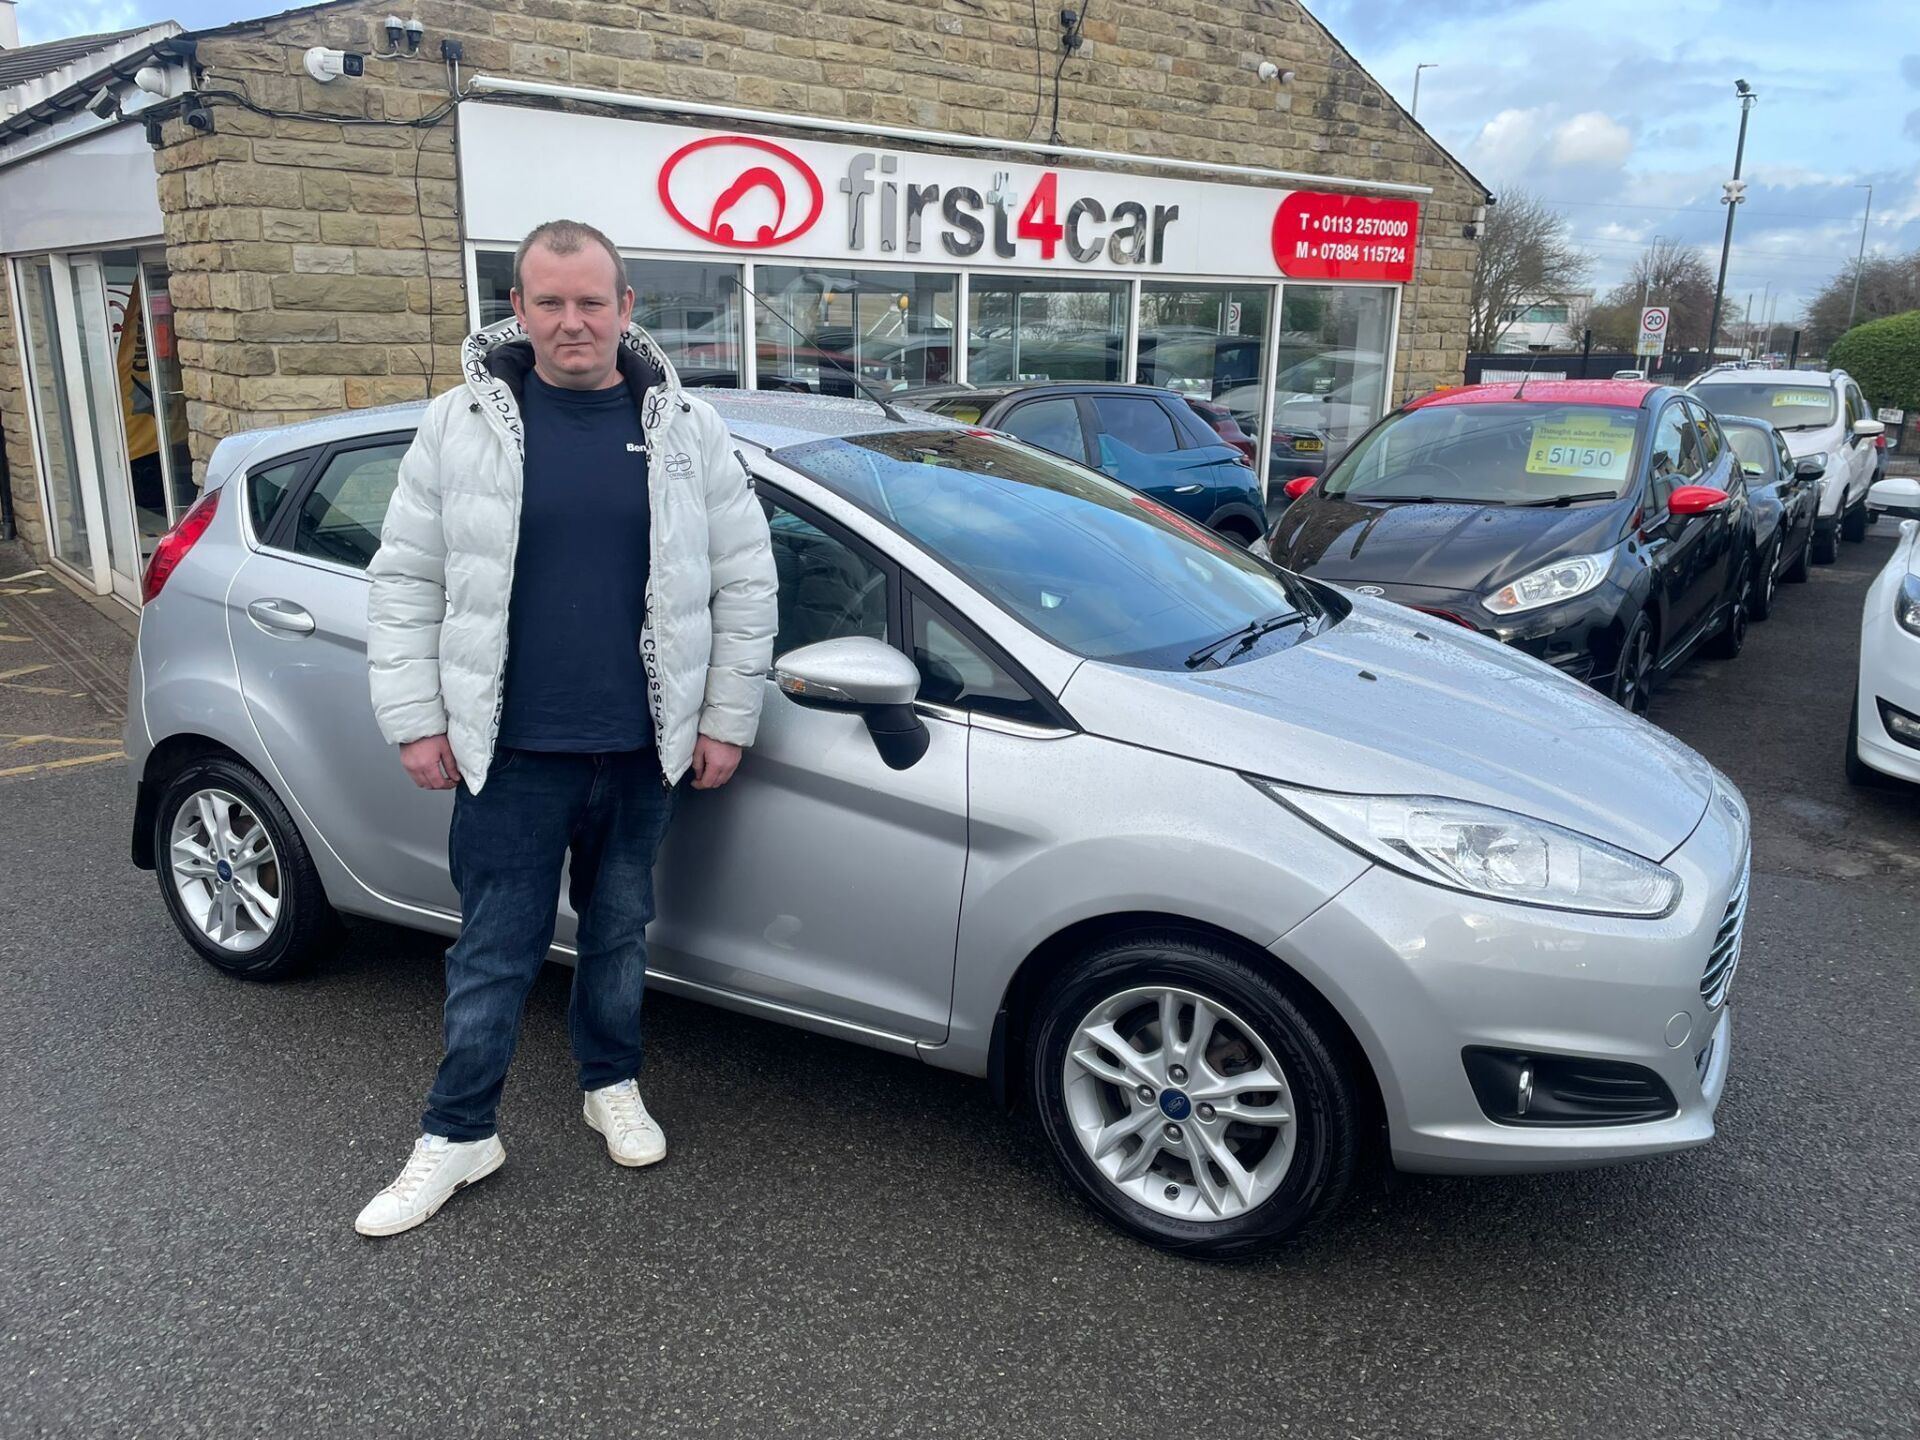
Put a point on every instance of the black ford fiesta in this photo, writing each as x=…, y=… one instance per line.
x=1601, y=526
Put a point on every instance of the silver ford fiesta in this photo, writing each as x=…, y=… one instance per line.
x=1230, y=875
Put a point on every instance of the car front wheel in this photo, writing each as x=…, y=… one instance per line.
x=235, y=874
x=1766, y=579
x=1633, y=680
x=1194, y=1102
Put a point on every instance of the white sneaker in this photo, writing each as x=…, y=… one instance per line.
x=618, y=1113
x=437, y=1168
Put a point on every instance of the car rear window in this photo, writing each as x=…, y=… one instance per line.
x=1783, y=406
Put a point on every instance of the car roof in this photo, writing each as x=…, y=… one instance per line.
x=768, y=419
x=1621, y=394
x=1750, y=422
x=1755, y=375
x=1001, y=389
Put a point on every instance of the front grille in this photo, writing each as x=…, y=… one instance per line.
x=1725, y=958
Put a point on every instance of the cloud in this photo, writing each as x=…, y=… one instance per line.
x=1910, y=70
x=44, y=20
x=1591, y=141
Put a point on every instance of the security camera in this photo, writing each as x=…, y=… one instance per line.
x=197, y=115
x=104, y=103
x=1269, y=70
x=326, y=65
x=415, y=32
x=396, y=29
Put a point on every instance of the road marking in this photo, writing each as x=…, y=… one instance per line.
x=16, y=639
x=23, y=670
x=15, y=741
x=27, y=590
x=23, y=575
x=39, y=689
x=46, y=765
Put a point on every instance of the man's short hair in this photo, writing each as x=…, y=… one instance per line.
x=568, y=237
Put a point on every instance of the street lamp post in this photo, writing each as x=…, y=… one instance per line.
x=1860, y=260
x=1735, y=193
x=1414, y=109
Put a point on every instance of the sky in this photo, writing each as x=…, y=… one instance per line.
x=1621, y=113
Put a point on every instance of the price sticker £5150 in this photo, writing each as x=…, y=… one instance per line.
x=1592, y=445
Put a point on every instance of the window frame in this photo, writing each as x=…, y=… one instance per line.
x=1081, y=412
x=279, y=535
x=1092, y=426
x=916, y=593
x=773, y=491
x=304, y=457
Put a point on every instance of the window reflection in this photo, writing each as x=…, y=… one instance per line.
x=1330, y=371
x=1022, y=329
x=820, y=329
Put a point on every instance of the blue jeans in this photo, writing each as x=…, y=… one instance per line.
x=505, y=850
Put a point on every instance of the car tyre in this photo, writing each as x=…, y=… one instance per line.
x=1766, y=579
x=251, y=904
x=1826, y=544
x=1298, y=1165
x=1732, y=638
x=1802, y=568
x=1853, y=526
x=1633, y=677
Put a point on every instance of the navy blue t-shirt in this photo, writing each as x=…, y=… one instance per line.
x=574, y=679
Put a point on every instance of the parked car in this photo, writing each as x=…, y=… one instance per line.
x=1883, y=730
x=1148, y=438
x=1825, y=418
x=1785, y=500
x=1601, y=525
x=1052, y=788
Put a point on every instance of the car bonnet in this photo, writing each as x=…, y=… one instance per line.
x=1381, y=704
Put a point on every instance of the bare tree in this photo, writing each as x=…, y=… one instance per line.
x=1667, y=273
x=1889, y=285
x=1525, y=258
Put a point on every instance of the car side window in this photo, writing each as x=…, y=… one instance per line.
x=1052, y=424
x=1707, y=434
x=268, y=486
x=341, y=517
x=1783, y=457
x=1137, y=422
x=1856, y=407
x=955, y=671
x=829, y=589
x=1674, y=459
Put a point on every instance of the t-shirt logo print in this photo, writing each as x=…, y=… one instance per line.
x=635, y=449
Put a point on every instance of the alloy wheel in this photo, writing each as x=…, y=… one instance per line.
x=225, y=870
x=1630, y=689
x=1179, y=1103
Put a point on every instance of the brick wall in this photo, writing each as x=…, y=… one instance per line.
x=311, y=270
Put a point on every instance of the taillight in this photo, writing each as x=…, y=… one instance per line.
x=174, y=545
x=1249, y=452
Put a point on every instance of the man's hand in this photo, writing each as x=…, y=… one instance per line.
x=430, y=762
x=714, y=762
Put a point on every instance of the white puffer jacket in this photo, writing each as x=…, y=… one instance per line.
x=437, y=609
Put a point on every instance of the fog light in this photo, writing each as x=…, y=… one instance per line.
x=1520, y=1089
x=1900, y=724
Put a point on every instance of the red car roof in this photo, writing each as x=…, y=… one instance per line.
x=1621, y=394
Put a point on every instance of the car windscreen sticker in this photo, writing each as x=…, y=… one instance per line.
x=1799, y=397
x=1595, y=445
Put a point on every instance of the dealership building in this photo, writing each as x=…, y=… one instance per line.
x=205, y=232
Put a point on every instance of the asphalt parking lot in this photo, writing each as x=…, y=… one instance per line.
x=844, y=1243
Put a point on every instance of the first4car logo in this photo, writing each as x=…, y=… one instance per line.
x=741, y=191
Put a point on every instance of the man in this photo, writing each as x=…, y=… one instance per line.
x=572, y=607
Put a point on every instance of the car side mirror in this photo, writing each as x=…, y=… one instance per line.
x=1899, y=496
x=1810, y=467
x=1297, y=486
x=1867, y=429
x=862, y=676
x=1695, y=499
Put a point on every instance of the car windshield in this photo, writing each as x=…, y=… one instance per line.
x=1785, y=407
x=1097, y=568
x=1498, y=454
x=1751, y=446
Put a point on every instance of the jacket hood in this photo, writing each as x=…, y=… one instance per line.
x=494, y=363
x=1471, y=548
x=1377, y=704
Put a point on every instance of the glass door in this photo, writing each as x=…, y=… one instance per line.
x=105, y=344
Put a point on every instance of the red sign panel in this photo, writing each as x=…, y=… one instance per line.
x=1345, y=237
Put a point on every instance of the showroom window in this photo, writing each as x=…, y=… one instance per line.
x=691, y=308
x=1330, y=370
x=817, y=328
x=1052, y=329
x=1207, y=341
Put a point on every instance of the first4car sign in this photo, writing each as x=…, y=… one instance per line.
x=755, y=197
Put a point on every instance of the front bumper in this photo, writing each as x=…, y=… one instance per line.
x=1421, y=973
x=1889, y=672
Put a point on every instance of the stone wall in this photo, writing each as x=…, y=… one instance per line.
x=22, y=472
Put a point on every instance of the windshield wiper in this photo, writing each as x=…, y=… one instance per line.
x=1806, y=425
x=1246, y=635
x=1423, y=500
x=1563, y=500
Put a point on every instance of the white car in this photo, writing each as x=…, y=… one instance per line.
x=1828, y=429
x=1883, y=737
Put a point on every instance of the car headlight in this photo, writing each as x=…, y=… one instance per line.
x=1561, y=580
x=1483, y=851
x=1906, y=605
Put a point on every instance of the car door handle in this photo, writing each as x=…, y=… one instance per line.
x=281, y=615
x=1188, y=489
